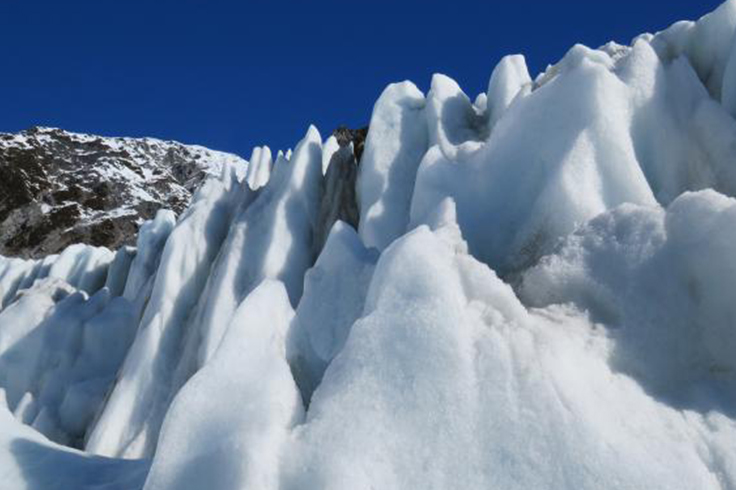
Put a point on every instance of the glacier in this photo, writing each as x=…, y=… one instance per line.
x=534, y=287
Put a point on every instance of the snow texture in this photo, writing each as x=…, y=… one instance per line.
x=397, y=139
x=235, y=421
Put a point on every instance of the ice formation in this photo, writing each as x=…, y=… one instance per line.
x=529, y=289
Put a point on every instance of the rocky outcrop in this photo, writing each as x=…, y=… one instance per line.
x=58, y=188
x=345, y=136
x=339, y=201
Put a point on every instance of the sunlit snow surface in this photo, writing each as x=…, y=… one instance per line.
x=540, y=294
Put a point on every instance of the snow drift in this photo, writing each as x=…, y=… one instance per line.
x=534, y=288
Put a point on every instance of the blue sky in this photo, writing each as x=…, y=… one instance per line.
x=233, y=74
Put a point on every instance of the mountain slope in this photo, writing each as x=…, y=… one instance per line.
x=58, y=188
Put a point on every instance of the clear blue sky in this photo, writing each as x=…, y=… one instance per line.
x=232, y=74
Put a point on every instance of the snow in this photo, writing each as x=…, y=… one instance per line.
x=531, y=290
x=707, y=43
x=59, y=353
x=334, y=293
x=447, y=380
x=329, y=148
x=510, y=79
x=513, y=198
x=665, y=279
x=397, y=139
x=259, y=168
x=31, y=462
x=12, y=273
x=132, y=417
x=672, y=127
x=117, y=272
x=270, y=238
x=454, y=124
x=193, y=296
x=151, y=239
x=83, y=267
x=234, y=414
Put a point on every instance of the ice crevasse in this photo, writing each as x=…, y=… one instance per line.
x=533, y=288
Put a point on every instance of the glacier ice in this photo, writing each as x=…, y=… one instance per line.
x=329, y=148
x=61, y=352
x=152, y=237
x=448, y=381
x=514, y=198
x=665, y=279
x=271, y=238
x=236, y=412
x=397, y=139
x=532, y=289
x=31, y=462
x=322, y=325
x=132, y=416
x=259, y=168
x=510, y=80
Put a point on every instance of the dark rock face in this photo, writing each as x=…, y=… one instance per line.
x=339, y=201
x=59, y=188
x=345, y=136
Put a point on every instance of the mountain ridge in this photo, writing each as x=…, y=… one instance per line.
x=58, y=188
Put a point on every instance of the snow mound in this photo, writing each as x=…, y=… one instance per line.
x=235, y=413
x=665, y=280
x=448, y=380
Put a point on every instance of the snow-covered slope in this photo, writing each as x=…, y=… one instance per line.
x=532, y=289
x=58, y=188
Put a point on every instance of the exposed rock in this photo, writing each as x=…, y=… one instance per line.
x=59, y=188
x=345, y=136
x=338, y=200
